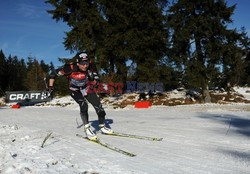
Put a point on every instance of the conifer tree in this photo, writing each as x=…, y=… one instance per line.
x=21, y=74
x=115, y=31
x=84, y=19
x=246, y=79
x=2, y=72
x=201, y=39
x=235, y=59
x=35, y=76
x=146, y=37
x=15, y=74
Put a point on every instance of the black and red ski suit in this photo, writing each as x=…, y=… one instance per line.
x=78, y=86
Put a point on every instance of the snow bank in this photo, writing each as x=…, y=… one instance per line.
x=243, y=91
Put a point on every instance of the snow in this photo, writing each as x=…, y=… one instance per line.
x=243, y=91
x=176, y=94
x=209, y=138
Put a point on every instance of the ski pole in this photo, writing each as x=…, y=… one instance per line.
x=46, y=85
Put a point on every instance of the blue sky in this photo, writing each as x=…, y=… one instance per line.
x=26, y=29
x=241, y=14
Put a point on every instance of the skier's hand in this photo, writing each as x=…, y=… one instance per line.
x=50, y=91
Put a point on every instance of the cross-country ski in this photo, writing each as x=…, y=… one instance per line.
x=119, y=134
x=108, y=146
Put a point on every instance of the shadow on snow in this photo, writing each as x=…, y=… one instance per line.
x=240, y=125
x=95, y=124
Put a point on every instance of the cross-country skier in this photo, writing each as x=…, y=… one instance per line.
x=79, y=75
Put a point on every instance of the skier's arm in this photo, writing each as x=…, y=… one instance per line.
x=51, y=82
x=62, y=71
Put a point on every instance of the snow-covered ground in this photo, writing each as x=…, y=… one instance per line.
x=208, y=138
x=243, y=91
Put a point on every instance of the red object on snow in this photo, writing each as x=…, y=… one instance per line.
x=143, y=104
x=17, y=106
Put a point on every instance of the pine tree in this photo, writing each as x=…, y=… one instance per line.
x=21, y=74
x=13, y=73
x=84, y=19
x=2, y=73
x=200, y=39
x=15, y=76
x=235, y=60
x=44, y=67
x=246, y=80
x=146, y=37
x=35, y=76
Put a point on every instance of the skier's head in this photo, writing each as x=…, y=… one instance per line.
x=82, y=58
x=82, y=61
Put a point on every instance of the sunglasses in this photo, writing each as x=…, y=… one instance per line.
x=84, y=63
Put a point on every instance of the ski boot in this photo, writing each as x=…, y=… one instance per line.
x=105, y=130
x=89, y=133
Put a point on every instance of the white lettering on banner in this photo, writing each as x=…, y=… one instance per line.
x=19, y=96
x=37, y=95
x=44, y=96
x=34, y=95
x=26, y=96
x=31, y=95
x=13, y=97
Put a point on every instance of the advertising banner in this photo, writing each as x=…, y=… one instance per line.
x=27, y=96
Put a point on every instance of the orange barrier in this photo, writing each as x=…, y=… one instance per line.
x=16, y=106
x=143, y=104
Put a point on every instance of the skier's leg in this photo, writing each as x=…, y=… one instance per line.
x=95, y=101
x=77, y=96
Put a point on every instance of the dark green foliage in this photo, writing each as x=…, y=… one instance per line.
x=3, y=77
x=35, y=76
x=235, y=61
x=115, y=31
x=201, y=45
x=44, y=67
x=12, y=73
x=84, y=19
x=61, y=86
x=246, y=75
x=17, y=75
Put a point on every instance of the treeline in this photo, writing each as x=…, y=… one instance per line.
x=30, y=75
x=181, y=44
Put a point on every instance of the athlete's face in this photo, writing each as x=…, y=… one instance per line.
x=83, y=67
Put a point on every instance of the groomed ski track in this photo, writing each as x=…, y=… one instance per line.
x=196, y=139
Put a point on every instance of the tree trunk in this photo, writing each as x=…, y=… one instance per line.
x=206, y=95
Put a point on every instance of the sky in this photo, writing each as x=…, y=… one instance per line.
x=27, y=30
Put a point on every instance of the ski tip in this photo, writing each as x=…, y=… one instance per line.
x=158, y=139
x=130, y=154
